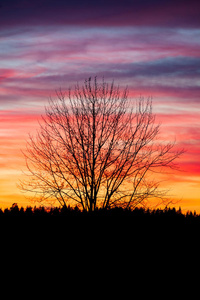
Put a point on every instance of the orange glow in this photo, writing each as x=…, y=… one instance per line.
x=183, y=185
x=14, y=129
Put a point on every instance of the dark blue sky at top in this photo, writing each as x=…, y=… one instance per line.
x=181, y=13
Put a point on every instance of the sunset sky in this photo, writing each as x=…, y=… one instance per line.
x=152, y=46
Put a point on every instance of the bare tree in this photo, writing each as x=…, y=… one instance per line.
x=93, y=149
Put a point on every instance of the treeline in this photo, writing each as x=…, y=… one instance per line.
x=116, y=227
x=136, y=213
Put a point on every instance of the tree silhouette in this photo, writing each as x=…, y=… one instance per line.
x=94, y=149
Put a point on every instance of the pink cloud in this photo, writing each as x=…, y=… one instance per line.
x=7, y=73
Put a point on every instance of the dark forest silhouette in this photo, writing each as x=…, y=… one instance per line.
x=67, y=228
x=168, y=214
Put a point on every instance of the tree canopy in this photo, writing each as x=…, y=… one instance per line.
x=96, y=148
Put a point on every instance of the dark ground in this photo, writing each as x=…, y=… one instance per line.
x=150, y=245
